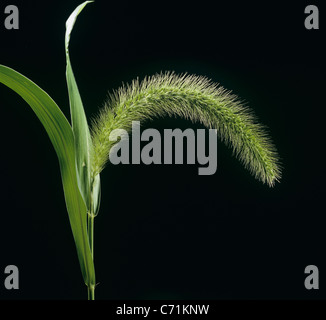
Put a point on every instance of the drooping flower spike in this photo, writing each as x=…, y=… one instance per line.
x=83, y=153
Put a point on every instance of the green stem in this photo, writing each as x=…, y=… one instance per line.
x=91, y=292
x=90, y=232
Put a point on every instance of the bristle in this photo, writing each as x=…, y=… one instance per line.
x=197, y=99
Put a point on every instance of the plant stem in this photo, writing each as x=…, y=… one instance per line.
x=90, y=231
x=91, y=292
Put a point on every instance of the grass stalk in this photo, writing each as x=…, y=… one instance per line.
x=91, y=292
x=90, y=232
x=83, y=153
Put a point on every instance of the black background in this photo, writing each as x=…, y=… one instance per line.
x=163, y=232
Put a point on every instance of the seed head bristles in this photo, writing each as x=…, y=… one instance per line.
x=194, y=98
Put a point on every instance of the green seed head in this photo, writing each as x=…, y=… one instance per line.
x=194, y=98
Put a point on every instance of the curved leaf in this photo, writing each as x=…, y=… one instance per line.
x=62, y=138
x=83, y=141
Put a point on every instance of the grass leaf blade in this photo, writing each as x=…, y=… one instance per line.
x=83, y=141
x=61, y=136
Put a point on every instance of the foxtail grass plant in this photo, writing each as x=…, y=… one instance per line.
x=83, y=152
